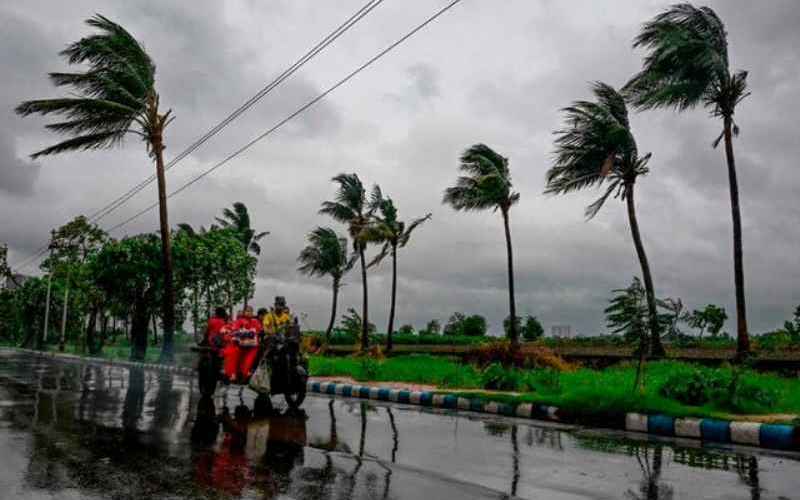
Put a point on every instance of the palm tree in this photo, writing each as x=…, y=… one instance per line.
x=687, y=65
x=350, y=207
x=597, y=146
x=239, y=220
x=326, y=255
x=115, y=96
x=394, y=234
x=487, y=185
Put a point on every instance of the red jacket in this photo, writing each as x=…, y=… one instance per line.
x=214, y=329
x=251, y=324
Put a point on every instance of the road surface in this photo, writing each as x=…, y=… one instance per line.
x=81, y=431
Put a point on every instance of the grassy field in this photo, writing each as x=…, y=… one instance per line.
x=598, y=390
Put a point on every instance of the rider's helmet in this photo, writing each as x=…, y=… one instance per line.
x=280, y=302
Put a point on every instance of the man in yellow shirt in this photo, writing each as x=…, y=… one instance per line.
x=278, y=319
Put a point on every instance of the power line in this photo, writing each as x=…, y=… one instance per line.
x=294, y=114
x=319, y=47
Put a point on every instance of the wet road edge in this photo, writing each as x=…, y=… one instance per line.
x=771, y=436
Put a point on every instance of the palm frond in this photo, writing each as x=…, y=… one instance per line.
x=595, y=207
x=406, y=233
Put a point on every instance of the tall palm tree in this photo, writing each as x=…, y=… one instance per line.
x=326, y=255
x=394, y=234
x=350, y=207
x=687, y=65
x=115, y=96
x=487, y=185
x=239, y=220
x=597, y=146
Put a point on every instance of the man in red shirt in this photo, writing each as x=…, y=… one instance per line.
x=242, y=347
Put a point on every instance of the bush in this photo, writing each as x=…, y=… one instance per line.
x=747, y=395
x=500, y=351
x=495, y=377
x=692, y=388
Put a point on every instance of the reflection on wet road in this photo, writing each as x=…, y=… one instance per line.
x=70, y=430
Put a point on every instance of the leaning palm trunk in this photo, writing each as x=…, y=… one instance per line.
x=513, y=328
x=168, y=300
x=742, y=338
x=655, y=347
x=333, y=311
x=390, y=329
x=365, y=303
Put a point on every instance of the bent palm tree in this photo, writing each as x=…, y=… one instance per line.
x=326, y=255
x=394, y=234
x=687, y=65
x=115, y=96
x=350, y=207
x=238, y=219
x=597, y=146
x=487, y=185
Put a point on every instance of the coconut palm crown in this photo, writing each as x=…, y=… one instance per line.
x=687, y=65
x=326, y=255
x=597, y=147
x=239, y=219
x=487, y=185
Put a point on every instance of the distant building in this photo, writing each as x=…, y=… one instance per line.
x=564, y=331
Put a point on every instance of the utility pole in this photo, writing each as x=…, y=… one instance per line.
x=49, y=285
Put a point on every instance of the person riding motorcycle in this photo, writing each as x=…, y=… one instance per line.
x=278, y=319
x=241, y=351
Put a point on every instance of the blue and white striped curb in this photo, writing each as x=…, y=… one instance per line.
x=183, y=370
x=775, y=436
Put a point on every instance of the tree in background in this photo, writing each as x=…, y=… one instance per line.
x=352, y=323
x=531, y=329
x=326, y=255
x=687, y=65
x=711, y=318
x=238, y=219
x=671, y=317
x=626, y=314
x=394, y=234
x=596, y=147
x=432, y=328
x=350, y=207
x=455, y=325
x=470, y=326
x=406, y=330
x=115, y=96
x=487, y=186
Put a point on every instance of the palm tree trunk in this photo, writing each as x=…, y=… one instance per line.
x=333, y=310
x=365, y=304
x=656, y=349
x=512, y=306
x=390, y=329
x=742, y=337
x=168, y=304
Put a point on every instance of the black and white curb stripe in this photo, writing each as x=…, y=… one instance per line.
x=774, y=436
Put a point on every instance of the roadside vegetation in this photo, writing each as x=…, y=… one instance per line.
x=670, y=387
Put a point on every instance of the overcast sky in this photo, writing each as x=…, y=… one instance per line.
x=487, y=71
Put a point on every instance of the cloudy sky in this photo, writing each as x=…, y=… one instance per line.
x=487, y=71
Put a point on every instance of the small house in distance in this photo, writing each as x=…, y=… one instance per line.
x=563, y=331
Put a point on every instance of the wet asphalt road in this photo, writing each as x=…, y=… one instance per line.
x=75, y=431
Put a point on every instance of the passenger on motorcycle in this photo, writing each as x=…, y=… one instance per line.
x=241, y=350
x=215, y=330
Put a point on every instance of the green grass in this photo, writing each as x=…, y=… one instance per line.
x=608, y=390
x=419, y=369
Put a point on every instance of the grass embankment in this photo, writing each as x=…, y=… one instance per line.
x=581, y=390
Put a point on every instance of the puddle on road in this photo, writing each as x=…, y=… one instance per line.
x=69, y=430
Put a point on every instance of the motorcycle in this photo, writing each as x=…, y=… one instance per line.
x=287, y=368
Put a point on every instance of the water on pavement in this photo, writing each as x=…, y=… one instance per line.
x=72, y=430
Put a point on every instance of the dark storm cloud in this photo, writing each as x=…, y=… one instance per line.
x=485, y=72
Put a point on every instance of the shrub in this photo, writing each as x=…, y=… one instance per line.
x=501, y=351
x=692, y=388
x=351, y=323
x=496, y=377
x=547, y=379
x=748, y=395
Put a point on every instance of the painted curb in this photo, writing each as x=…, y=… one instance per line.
x=774, y=436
